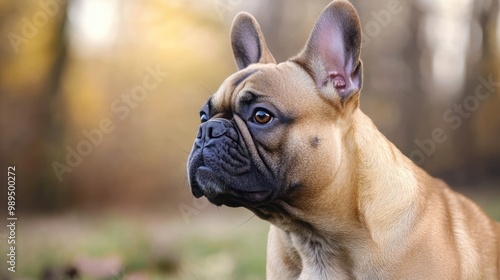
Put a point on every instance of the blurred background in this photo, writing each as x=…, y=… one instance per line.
x=99, y=105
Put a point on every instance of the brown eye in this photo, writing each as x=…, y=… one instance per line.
x=262, y=117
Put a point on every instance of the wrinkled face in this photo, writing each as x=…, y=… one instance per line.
x=257, y=132
x=273, y=130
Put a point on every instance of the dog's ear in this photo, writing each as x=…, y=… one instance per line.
x=247, y=40
x=331, y=55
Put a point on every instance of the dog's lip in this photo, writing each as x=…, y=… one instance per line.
x=214, y=185
x=216, y=188
x=195, y=189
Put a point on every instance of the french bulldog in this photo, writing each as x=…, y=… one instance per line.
x=289, y=142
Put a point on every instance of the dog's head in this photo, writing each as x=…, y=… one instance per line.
x=273, y=129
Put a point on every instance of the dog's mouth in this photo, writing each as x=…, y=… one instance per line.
x=220, y=167
x=218, y=192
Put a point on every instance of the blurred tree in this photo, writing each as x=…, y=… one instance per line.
x=32, y=65
x=472, y=152
x=478, y=139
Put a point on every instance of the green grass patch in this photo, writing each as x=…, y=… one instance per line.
x=188, y=255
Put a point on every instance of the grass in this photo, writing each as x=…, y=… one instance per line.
x=151, y=247
x=216, y=244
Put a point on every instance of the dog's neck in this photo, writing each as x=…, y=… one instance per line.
x=386, y=184
x=374, y=194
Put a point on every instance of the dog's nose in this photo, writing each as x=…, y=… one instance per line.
x=214, y=129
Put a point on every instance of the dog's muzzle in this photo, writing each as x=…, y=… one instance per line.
x=221, y=168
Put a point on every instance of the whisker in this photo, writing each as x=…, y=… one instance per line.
x=209, y=92
x=246, y=221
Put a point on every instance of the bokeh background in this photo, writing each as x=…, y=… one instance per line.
x=99, y=103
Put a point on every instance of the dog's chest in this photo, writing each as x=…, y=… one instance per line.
x=321, y=259
x=329, y=260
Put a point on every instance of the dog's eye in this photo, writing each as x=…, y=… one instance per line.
x=203, y=117
x=262, y=117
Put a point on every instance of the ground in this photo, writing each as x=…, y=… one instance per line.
x=216, y=243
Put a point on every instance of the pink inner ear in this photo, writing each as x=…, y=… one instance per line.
x=338, y=79
x=332, y=52
x=327, y=40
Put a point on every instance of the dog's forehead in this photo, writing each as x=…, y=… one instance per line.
x=264, y=79
x=228, y=92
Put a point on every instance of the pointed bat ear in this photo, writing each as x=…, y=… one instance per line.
x=331, y=55
x=247, y=40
